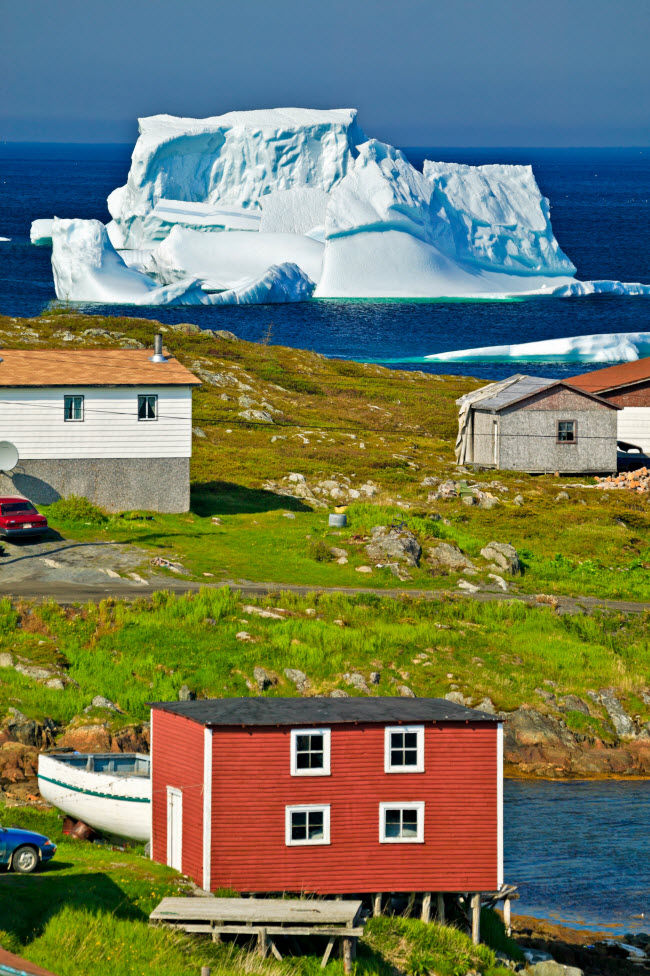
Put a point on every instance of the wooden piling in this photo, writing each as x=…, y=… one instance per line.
x=476, y=918
x=426, y=906
x=205, y=971
x=376, y=904
x=349, y=945
x=410, y=904
x=506, y=916
x=440, y=908
x=262, y=943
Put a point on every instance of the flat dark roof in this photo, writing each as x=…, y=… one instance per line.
x=321, y=711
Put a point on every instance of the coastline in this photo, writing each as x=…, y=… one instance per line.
x=597, y=952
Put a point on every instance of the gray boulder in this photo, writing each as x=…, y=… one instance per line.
x=262, y=677
x=185, y=693
x=551, y=968
x=387, y=544
x=100, y=702
x=503, y=555
x=357, y=681
x=620, y=719
x=298, y=678
x=446, y=556
x=6, y=660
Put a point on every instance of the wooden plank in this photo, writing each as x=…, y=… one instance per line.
x=476, y=918
x=328, y=952
x=426, y=906
x=274, y=949
x=327, y=930
x=257, y=910
x=440, y=908
x=262, y=942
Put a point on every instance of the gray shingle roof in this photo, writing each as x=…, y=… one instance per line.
x=321, y=711
x=523, y=387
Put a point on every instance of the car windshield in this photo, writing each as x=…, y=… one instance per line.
x=15, y=508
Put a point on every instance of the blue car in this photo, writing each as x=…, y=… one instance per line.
x=23, y=850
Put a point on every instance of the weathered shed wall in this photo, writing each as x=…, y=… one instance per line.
x=485, y=436
x=253, y=785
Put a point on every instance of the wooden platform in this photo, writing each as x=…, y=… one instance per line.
x=265, y=918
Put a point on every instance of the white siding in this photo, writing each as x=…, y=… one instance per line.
x=634, y=426
x=32, y=419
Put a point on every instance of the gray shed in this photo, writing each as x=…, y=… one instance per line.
x=535, y=424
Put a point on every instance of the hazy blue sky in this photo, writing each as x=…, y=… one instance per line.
x=421, y=72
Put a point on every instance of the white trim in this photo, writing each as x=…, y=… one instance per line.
x=399, y=805
x=327, y=743
x=388, y=732
x=207, y=807
x=308, y=808
x=499, y=804
x=172, y=791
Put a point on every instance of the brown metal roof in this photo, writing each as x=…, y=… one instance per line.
x=90, y=367
x=610, y=378
x=14, y=964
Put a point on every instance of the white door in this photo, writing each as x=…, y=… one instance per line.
x=174, y=828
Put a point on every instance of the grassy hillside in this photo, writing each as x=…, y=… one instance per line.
x=88, y=911
x=376, y=435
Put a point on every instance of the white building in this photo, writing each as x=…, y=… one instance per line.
x=628, y=386
x=113, y=425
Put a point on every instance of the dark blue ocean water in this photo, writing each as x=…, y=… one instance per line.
x=580, y=852
x=600, y=204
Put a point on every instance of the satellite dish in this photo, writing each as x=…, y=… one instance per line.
x=8, y=456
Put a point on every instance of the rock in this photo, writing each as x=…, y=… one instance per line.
x=216, y=520
x=262, y=612
x=263, y=679
x=6, y=660
x=518, y=500
x=243, y=635
x=296, y=479
x=499, y=580
x=364, y=569
x=574, y=704
x=337, y=553
x=87, y=738
x=405, y=691
x=467, y=586
x=245, y=401
x=342, y=561
x=486, y=705
x=449, y=557
x=186, y=694
x=56, y=684
x=224, y=334
x=458, y=697
x=393, y=543
x=18, y=762
x=100, y=702
x=298, y=678
x=430, y=482
x=469, y=500
x=369, y=490
x=199, y=432
x=551, y=968
x=339, y=693
x=261, y=416
x=562, y=496
x=27, y=731
x=504, y=555
x=289, y=515
x=375, y=677
x=31, y=671
x=339, y=622
x=357, y=681
x=621, y=721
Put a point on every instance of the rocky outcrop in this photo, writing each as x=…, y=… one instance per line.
x=504, y=557
x=392, y=543
x=448, y=558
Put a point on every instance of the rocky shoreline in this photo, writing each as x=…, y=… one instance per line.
x=581, y=950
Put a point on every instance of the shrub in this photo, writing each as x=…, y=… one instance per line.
x=320, y=551
x=76, y=508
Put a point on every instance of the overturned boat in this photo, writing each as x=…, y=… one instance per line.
x=111, y=792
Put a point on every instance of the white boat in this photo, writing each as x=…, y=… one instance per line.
x=110, y=792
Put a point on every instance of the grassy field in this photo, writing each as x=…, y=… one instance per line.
x=364, y=423
x=134, y=653
x=88, y=910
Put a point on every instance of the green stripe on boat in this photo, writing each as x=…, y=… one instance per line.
x=103, y=796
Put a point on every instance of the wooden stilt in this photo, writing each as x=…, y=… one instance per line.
x=409, y=905
x=506, y=916
x=262, y=943
x=205, y=971
x=426, y=906
x=328, y=952
x=348, y=954
x=274, y=949
x=376, y=904
x=440, y=908
x=476, y=918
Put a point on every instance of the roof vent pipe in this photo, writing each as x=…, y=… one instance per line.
x=158, y=356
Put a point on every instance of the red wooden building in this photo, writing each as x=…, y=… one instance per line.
x=328, y=795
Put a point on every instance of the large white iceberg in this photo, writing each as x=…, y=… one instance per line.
x=613, y=347
x=220, y=204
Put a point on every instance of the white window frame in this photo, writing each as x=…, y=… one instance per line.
x=419, y=731
x=400, y=805
x=327, y=744
x=148, y=420
x=323, y=808
x=73, y=397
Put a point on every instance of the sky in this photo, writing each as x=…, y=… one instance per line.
x=421, y=72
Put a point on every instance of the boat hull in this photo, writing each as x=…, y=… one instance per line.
x=106, y=802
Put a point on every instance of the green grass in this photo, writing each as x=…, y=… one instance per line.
x=88, y=912
x=364, y=422
x=137, y=652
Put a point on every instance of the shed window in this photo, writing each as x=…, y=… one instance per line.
x=567, y=431
x=73, y=408
x=404, y=749
x=307, y=825
x=310, y=752
x=148, y=406
x=401, y=823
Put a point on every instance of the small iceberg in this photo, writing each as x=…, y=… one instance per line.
x=614, y=347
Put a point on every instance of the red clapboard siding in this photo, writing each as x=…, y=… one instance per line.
x=177, y=760
x=252, y=786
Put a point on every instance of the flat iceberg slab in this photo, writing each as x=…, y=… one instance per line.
x=280, y=283
x=614, y=347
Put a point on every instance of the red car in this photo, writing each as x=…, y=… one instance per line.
x=19, y=518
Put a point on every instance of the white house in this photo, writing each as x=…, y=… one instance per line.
x=113, y=425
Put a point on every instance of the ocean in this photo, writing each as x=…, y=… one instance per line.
x=600, y=209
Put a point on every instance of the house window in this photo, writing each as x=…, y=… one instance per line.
x=73, y=408
x=310, y=752
x=147, y=406
x=307, y=825
x=567, y=431
x=401, y=823
x=404, y=749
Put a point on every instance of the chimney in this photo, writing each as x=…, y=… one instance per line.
x=158, y=356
